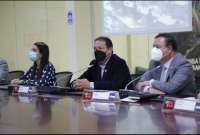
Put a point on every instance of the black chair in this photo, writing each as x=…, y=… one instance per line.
x=140, y=70
x=15, y=74
x=134, y=76
x=63, y=78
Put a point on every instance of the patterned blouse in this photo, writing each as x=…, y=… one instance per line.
x=47, y=78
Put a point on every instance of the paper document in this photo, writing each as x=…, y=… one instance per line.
x=190, y=98
x=128, y=99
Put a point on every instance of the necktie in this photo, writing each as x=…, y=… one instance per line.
x=163, y=74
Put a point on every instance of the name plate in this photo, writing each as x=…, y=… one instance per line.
x=23, y=89
x=188, y=105
x=101, y=95
x=101, y=108
x=192, y=105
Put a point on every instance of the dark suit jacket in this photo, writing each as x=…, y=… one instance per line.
x=116, y=74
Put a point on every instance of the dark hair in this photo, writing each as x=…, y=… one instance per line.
x=170, y=40
x=44, y=50
x=109, y=43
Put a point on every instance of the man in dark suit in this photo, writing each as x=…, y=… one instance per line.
x=108, y=71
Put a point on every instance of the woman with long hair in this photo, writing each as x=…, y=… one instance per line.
x=42, y=72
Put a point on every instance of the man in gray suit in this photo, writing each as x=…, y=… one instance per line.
x=3, y=71
x=169, y=72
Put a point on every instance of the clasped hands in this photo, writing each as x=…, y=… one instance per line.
x=80, y=84
x=140, y=86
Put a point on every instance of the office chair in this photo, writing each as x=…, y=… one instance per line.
x=15, y=74
x=63, y=78
x=140, y=70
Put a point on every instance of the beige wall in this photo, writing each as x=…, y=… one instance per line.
x=24, y=22
x=8, y=33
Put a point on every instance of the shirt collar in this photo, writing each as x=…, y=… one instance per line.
x=104, y=64
x=168, y=63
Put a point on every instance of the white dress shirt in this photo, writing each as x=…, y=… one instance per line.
x=103, y=70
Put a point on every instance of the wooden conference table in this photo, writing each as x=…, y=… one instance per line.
x=68, y=114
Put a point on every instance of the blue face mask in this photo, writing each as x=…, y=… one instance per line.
x=33, y=56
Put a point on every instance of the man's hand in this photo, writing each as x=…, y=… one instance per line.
x=81, y=84
x=141, y=85
x=156, y=91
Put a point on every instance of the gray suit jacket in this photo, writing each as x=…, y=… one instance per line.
x=180, y=77
x=3, y=70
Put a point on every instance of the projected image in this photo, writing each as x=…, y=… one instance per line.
x=126, y=17
x=189, y=42
x=196, y=16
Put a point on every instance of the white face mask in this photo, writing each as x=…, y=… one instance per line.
x=156, y=54
x=33, y=56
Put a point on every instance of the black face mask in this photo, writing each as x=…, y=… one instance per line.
x=99, y=55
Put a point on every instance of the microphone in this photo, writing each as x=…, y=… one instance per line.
x=139, y=77
x=132, y=81
x=82, y=69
